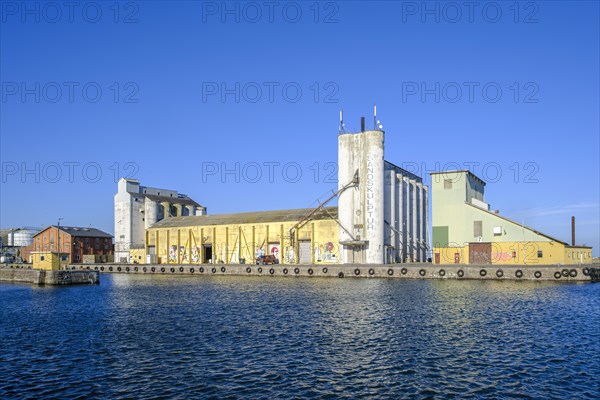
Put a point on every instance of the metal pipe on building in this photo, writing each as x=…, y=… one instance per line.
x=573, y=231
x=413, y=219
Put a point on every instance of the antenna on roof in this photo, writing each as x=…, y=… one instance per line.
x=375, y=116
x=377, y=124
x=342, y=130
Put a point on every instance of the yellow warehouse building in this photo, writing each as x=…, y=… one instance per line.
x=293, y=236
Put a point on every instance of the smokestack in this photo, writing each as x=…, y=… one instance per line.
x=362, y=124
x=573, y=231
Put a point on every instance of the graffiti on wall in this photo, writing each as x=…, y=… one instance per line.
x=274, y=250
x=184, y=254
x=326, y=252
x=196, y=254
x=172, y=253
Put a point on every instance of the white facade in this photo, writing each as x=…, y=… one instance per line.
x=139, y=207
x=384, y=218
x=21, y=237
x=361, y=207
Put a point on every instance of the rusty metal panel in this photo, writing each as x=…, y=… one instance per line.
x=480, y=253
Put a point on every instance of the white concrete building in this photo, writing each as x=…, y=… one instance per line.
x=139, y=207
x=383, y=209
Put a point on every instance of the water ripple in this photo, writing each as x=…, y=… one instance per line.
x=230, y=337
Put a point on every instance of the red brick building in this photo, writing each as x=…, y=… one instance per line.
x=77, y=242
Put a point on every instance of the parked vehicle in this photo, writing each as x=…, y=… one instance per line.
x=266, y=260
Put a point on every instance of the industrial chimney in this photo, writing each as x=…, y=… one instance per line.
x=573, y=231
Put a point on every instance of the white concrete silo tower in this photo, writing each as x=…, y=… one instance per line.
x=361, y=207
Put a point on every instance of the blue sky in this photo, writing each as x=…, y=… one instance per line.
x=176, y=93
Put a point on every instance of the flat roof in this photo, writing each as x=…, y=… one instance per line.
x=255, y=217
x=458, y=171
x=169, y=199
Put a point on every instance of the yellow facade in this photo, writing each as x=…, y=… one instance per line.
x=48, y=261
x=234, y=243
x=578, y=255
x=518, y=253
x=137, y=256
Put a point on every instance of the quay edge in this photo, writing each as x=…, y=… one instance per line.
x=20, y=274
x=559, y=273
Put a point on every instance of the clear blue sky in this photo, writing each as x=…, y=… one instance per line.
x=434, y=74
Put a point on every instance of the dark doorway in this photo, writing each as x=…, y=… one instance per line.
x=207, y=253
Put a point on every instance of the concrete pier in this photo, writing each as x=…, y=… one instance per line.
x=560, y=273
x=40, y=277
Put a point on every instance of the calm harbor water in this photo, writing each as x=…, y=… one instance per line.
x=243, y=337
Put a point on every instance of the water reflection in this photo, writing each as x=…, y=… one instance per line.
x=182, y=336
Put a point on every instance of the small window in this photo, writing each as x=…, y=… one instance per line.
x=497, y=231
x=514, y=254
x=41, y=258
x=447, y=183
x=540, y=254
x=477, y=228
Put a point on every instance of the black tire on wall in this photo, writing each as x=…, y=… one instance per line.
x=557, y=275
x=519, y=273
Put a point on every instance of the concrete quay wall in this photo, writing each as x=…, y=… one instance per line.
x=40, y=277
x=403, y=271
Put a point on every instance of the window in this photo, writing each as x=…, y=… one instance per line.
x=514, y=254
x=540, y=254
x=41, y=258
x=497, y=231
x=477, y=228
x=447, y=183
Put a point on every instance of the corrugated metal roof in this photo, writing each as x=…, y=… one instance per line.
x=256, y=217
